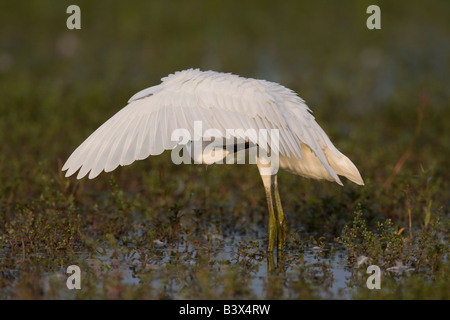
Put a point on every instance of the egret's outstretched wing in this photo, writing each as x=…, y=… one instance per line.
x=221, y=101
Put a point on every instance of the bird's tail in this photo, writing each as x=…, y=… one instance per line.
x=343, y=166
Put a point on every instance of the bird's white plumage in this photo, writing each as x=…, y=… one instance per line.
x=221, y=101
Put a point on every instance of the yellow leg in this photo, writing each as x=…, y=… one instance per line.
x=277, y=229
x=272, y=221
x=270, y=262
x=281, y=227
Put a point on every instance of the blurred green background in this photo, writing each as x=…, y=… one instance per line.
x=381, y=95
x=57, y=84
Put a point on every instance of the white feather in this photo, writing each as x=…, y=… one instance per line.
x=221, y=101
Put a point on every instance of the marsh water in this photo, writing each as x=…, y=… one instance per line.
x=326, y=271
x=236, y=268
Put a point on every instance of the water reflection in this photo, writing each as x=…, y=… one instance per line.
x=231, y=269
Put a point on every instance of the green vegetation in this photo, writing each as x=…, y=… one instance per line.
x=154, y=230
x=419, y=259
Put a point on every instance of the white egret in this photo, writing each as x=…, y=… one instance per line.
x=221, y=101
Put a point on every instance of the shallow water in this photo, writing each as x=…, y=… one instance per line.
x=177, y=271
x=231, y=268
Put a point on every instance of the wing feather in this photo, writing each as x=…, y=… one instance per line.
x=221, y=101
x=142, y=143
x=156, y=143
